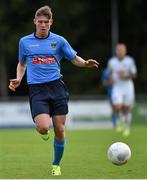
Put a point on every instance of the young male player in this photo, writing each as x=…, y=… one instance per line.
x=123, y=71
x=40, y=53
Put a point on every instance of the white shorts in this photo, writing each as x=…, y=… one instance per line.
x=123, y=95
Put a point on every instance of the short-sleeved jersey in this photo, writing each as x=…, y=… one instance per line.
x=127, y=65
x=43, y=56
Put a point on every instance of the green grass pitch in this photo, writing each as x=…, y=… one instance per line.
x=24, y=155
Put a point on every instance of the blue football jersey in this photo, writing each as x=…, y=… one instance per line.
x=43, y=56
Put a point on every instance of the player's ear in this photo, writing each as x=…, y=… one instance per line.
x=34, y=21
x=51, y=21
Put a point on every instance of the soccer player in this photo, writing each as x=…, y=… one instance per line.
x=40, y=54
x=123, y=70
x=107, y=82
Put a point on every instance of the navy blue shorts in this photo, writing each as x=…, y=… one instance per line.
x=49, y=98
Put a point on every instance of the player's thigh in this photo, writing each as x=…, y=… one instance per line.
x=38, y=99
x=117, y=97
x=59, y=101
x=129, y=98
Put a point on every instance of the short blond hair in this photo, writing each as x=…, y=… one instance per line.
x=44, y=11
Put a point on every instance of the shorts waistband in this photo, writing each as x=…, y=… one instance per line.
x=45, y=83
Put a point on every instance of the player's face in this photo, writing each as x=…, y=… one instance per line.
x=120, y=51
x=43, y=24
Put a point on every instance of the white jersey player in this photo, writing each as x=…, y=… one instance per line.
x=122, y=70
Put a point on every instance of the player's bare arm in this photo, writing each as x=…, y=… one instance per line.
x=78, y=61
x=14, y=83
x=123, y=76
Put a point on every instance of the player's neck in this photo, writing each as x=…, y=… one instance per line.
x=41, y=36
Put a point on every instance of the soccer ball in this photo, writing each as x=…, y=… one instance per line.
x=119, y=153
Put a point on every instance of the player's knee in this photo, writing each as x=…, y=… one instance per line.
x=117, y=109
x=126, y=109
x=42, y=128
x=60, y=129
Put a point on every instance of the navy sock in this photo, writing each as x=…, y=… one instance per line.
x=58, y=151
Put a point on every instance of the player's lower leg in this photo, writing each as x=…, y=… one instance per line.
x=58, y=153
x=114, y=121
x=120, y=122
x=59, y=143
x=128, y=119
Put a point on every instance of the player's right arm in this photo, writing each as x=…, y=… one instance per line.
x=14, y=83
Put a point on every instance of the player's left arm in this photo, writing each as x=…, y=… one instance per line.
x=123, y=76
x=80, y=62
x=132, y=71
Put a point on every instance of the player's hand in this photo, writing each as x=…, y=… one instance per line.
x=14, y=83
x=122, y=74
x=91, y=63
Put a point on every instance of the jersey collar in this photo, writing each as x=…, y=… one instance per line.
x=41, y=38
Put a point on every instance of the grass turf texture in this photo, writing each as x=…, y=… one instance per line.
x=24, y=155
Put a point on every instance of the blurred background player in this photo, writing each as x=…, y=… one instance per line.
x=40, y=53
x=123, y=70
x=107, y=82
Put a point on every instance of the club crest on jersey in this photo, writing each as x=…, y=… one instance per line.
x=53, y=44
